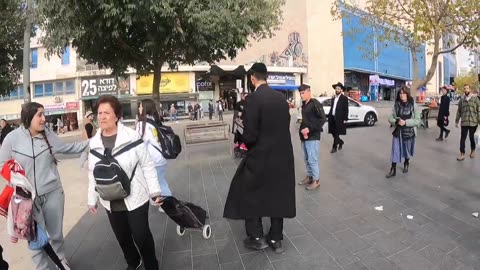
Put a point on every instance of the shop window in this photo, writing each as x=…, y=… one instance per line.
x=34, y=58
x=59, y=90
x=48, y=89
x=70, y=87
x=16, y=93
x=38, y=90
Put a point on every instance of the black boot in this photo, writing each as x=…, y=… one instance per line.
x=405, y=165
x=393, y=171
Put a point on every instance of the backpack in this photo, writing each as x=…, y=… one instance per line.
x=112, y=182
x=169, y=141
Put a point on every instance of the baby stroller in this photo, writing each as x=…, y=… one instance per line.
x=187, y=216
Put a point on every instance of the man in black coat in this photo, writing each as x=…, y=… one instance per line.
x=338, y=117
x=210, y=110
x=264, y=184
x=443, y=114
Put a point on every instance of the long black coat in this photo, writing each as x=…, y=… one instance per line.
x=264, y=184
x=341, y=115
x=444, y=110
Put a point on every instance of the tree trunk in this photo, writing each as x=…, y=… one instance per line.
x=26, y=51
x=157, y=77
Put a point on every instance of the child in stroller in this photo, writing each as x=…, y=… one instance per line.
x=239, y=148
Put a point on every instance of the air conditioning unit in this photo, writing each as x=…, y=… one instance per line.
x=58, y=99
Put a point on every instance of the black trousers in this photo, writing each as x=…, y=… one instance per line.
x=210, y=114
x=471, y=132
x=254, y=228
x=441, y=125
x=3, y=264
x=132, y=230
x=336, y=136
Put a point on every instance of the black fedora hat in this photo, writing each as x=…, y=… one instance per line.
x=338, y=84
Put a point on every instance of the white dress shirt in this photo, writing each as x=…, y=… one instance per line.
x=335, y=101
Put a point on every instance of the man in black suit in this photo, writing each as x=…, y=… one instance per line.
x=264, y=184
x=338, y=117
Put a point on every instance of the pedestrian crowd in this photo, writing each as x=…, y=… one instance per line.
x=263, y=185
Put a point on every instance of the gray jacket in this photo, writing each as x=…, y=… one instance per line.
x=38, y=164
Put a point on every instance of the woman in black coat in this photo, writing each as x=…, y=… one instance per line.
x=443, y=114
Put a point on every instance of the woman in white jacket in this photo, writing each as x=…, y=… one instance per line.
x=129, y=216
x=148, y=115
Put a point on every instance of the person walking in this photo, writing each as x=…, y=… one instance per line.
x=338, y=117
x=129, y=216
x=406, y=117
x=220, y=108
x=5, y=130
x=469, y=113
x=313, y=119
x=88, y=131
x=60, y=126
x=264, y=183
x=173, y=113
x=443, y=114
x=34, y=148
x=148, y=120
x=210, y=110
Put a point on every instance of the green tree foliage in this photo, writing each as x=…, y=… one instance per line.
x=445, y=25
x=470, y=78
x=11, y=44
x=150, y=34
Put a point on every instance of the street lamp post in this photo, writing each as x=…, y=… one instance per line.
x=26, y=50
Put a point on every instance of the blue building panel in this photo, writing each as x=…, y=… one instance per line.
x=358, y=45
x=393, y=59
x=386, y=58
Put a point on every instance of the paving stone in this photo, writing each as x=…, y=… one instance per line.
x=256, y=261
x=227, y=251
x=307, y=245
x=293, y=228
x=409, y=259
x=360, y=225
x=356, y=266
x=232, y=266
x=385, y=243
x=297, y=263
x=383, y=223
x=374, y=260
x=178, y=260
x=206, y=262
x=331, y=223
x=350, y=240
x=319, y=232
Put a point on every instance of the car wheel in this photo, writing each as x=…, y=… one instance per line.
x=370, y=119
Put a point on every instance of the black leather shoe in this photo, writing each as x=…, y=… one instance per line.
x=275, y=245
x=340, y=147
x=256, y=244
x=334, y=150
x=392, y=173
x=446, y=133
x=405, y=167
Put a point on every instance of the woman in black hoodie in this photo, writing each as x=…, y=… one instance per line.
x=443, y=114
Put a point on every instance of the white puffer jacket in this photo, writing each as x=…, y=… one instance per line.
x=151, y=142
x=144, y=184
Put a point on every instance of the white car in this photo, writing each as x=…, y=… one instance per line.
x=357, y=112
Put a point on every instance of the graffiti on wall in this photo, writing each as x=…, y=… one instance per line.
x=292, y=55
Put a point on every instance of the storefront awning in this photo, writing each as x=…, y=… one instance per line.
x=284, y=87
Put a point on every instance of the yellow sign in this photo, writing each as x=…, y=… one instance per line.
x=178, y=82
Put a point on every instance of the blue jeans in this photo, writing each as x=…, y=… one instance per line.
x=174, y=117
x=310, y=151
x=165, y=190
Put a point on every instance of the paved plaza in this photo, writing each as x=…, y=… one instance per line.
x=337, y=226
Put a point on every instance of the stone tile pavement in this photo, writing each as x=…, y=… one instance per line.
x=336, y=226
